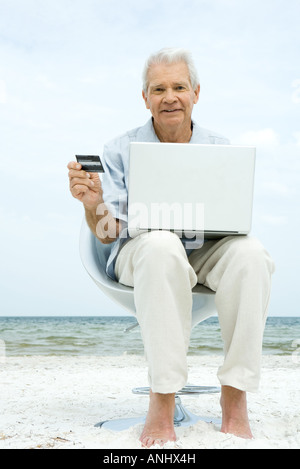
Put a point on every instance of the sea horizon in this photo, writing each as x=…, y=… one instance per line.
x=114, y=335
x=101, y=315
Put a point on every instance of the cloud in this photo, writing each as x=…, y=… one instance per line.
x=264, y=137
x=28, y=227
x=296, y=94
x=3, y=92
x=276, y=188
x=297, y=137
x=274, y=220
x=46, y=82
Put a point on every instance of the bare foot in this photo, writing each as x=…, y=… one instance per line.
x=159, y=425
x=234, y=413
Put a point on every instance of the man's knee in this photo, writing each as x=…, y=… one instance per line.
x=250, y=253
x=161, y=248
x=162, y=242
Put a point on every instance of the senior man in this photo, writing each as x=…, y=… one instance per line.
x=163, y=272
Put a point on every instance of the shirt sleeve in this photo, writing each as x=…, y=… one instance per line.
x=115, y=193
x=221, y=141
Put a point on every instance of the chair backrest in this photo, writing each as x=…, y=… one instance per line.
x=94, y=257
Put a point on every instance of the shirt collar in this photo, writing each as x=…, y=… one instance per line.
x=147, y=133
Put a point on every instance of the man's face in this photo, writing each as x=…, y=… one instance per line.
x=170, y=96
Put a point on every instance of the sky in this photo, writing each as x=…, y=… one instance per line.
x=70, y=80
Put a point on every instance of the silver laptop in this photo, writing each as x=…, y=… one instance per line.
x=204, y=190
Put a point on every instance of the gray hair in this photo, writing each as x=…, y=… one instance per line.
x=171, y=56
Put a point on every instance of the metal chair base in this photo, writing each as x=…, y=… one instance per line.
x=182, y=417
x=189, y=389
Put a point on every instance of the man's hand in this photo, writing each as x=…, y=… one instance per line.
x=87, y=188
x=84, y=186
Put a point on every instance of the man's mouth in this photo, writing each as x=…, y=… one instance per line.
x=171, y=110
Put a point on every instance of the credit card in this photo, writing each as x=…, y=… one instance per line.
x=90, y=163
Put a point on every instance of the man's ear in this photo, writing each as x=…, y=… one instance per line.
x=197, y=94
x=145, y=99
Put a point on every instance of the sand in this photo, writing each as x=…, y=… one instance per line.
x=54, y=402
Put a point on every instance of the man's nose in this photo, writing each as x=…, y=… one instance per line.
x=170, y=96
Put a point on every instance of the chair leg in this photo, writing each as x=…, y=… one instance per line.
x=185, y=418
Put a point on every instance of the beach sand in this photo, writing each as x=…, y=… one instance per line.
x=54, y=402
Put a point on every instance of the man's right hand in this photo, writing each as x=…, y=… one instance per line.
x=84, y=186
x=87, y=188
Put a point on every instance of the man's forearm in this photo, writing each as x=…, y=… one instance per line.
x=101, y=222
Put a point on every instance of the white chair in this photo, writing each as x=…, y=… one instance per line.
x=94, y=256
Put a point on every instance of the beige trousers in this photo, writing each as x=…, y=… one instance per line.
x=238, y=269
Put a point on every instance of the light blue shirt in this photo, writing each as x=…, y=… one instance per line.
x=115, y=178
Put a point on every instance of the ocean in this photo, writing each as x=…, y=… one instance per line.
x=106, y=336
